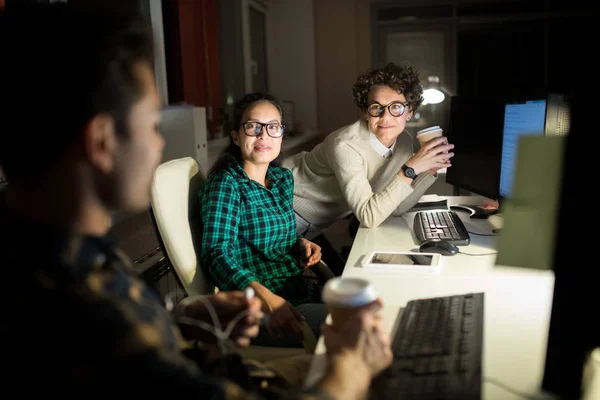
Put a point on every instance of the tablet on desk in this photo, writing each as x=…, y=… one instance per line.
x=391, y=260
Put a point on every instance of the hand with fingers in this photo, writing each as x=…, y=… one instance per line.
x=433, y=156
x=284, y=319
x=311, y=252
x=232, y=312
x=358, y=351
x=364, y=333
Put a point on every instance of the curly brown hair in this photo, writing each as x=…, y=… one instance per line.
x=403, y=78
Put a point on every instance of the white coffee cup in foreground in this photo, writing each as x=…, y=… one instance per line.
x=347, y=296
x=425, y=135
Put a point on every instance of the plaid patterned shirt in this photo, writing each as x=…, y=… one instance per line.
x=249, y=234
x=75, y=320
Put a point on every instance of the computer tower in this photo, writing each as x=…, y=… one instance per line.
x=185, y=132
x=558, y=115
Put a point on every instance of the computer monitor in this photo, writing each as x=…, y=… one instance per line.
x=574, y=329
x=475, y=129
x=485, y=132
x=545, y=115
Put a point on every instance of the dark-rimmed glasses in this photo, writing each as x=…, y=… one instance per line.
x=395, y=109
x=252, y=128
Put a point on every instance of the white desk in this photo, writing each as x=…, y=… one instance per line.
x=517, y=301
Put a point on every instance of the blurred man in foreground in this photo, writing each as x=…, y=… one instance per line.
x=79, y=112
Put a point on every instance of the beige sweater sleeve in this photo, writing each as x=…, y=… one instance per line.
x=420, y=185
x=371, y=208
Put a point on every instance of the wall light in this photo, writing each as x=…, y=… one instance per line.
x=434, y=92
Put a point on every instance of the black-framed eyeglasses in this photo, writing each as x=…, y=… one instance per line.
x=252, y=128
x=395, y=109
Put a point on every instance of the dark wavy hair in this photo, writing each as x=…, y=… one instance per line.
x=403, y=78
x=233, y=150
x=76, y=83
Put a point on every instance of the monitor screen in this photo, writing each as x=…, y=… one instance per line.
x=475, y=129
x=520, y=119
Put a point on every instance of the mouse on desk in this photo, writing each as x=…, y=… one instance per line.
x=442, y=247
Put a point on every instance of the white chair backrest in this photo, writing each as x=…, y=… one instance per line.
x=174, y=203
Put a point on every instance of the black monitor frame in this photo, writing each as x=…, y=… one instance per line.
x=475, y=126
x=573, y=330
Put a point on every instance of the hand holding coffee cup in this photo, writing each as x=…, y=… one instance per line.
x=428, y=134
x=355, y=326
x=434, y=153
x=346, y=297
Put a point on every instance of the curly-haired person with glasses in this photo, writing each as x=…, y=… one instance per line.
x=368, y=168
x=248, y=228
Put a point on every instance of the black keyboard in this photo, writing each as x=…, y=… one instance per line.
x=440, y=225
x=437, y=351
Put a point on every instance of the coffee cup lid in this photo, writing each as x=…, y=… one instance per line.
x=348, y=292
x=430, y=129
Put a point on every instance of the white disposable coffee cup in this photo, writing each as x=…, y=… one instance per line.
x=347, y=296
x=425, y=135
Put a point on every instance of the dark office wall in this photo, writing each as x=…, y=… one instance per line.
x=501, y=58
x=192, y=56
x=514, y=48
x=129, y=5
x=13, y=3
x=231, y=52
x=574, y=41
x=500, y=47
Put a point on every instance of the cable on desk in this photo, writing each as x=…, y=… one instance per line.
x=504, y=386
x=481, y=234
x=481, y=254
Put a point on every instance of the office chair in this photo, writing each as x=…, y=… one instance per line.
x=174, y=211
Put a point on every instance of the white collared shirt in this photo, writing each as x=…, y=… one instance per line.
x=385, y=152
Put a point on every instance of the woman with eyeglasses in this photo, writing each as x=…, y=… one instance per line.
x=249, y=235
x=368, y=168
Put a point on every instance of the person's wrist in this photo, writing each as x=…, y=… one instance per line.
x=191, y=307
x=417, y=169
x=410, y=171
x=266, y=305
x=269, y=299
x=264, y=295
x=348, y=376
x=187, y=313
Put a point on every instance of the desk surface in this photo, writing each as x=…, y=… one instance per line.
x=517, y=301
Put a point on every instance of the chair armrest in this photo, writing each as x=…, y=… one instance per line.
x=308, y=338
x=323, y=271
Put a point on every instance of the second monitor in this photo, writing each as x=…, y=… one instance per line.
x=546, y=116
x=485, y=132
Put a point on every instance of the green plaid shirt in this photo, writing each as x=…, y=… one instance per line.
x=249, y=234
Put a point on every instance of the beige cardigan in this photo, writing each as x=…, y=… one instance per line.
x=345, y=174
